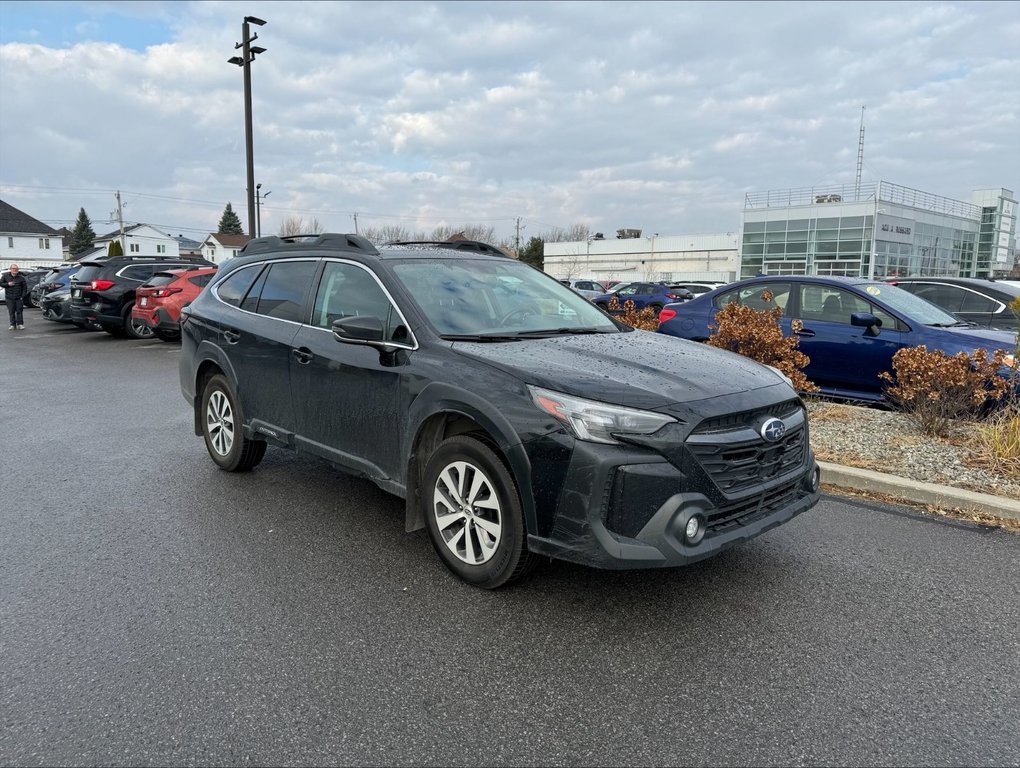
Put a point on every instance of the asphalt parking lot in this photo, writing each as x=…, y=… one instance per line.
x=156, y=611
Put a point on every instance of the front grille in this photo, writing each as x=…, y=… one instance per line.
x=738, y=466
x=733, y=421
x=747, y=511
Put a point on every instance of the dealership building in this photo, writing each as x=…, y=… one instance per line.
x=877, y=230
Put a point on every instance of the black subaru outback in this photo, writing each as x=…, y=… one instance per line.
x=514, y=417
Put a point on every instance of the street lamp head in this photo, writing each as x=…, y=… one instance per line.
x=236, y=60
x=258, y=186
x=255, y=49
x=254, y=20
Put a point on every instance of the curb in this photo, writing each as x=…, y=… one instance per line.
x=921, y=493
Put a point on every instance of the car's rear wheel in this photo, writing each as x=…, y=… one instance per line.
x=135, y=327
x=656, y=308
x=223, y=430
x=473, y=514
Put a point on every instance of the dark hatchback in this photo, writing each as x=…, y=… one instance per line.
x=514, y=418
x=982, y=302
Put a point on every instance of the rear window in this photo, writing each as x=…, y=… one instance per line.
x=137, y=272
x=88, y=273
x=160, y=279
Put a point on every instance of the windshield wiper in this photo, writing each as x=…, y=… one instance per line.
x=481, y=337
x=563, y=331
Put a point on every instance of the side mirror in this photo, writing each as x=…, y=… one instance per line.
x=866, y=320
x=360, y=329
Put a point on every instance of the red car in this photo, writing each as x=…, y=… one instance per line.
x=159, y=300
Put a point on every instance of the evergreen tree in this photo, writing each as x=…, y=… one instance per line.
x=82, y=236
x=533, y=252
x=229, y=223
x=116, y=249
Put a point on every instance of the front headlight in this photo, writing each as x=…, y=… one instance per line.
x=597, y=422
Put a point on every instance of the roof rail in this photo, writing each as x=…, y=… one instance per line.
x=328, y=240
x=476, y=246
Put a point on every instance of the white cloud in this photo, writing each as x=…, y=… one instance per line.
x=655, y=115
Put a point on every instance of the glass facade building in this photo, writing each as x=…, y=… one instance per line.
x=878, y=230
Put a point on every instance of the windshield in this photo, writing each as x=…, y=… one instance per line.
x=912, y=307
x=496, y=297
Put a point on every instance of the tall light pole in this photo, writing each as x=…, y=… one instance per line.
x=259, y=197
x=249, y=52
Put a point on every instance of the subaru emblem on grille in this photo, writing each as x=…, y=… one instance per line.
x=773, y=430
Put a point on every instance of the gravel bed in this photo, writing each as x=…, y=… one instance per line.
x=888, y=442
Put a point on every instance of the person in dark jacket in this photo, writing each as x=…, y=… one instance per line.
x=15, y=285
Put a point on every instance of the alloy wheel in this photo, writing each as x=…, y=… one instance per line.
x=219, y=423
x=467, y=512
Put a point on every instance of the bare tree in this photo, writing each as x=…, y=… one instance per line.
x=572, y=233
x=296, y=225
x=485, y=234
x=390, y=233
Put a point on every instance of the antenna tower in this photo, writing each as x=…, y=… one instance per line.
x=860, y=159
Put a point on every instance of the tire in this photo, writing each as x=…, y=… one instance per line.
x=482, y=540
x=136, y=329
x=656, y=308
x=166, y=335
x=222, y=428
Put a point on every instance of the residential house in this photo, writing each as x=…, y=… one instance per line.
x=27, y=241
x=189, y=247
x=219, y=247
x=139, y=240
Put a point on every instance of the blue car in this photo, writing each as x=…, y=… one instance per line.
x=852, y=327
x=644, y=295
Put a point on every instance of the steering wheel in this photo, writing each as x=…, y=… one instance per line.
x=522, y=311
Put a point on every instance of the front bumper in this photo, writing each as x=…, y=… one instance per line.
x=621, y=507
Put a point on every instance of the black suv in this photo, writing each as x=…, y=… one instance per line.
x=514, y=417
x=976, y=300
x=103, y=291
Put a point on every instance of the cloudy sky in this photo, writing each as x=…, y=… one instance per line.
x=652, y=115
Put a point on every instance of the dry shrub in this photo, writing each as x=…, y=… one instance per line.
x=935, y=390
x=996, y=444
x=645, y=320
x=757, y=334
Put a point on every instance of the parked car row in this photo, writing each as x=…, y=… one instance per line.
x=850, y=328
x=133, y=296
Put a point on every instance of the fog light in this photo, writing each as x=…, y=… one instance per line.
x=694, y=531
x=816, y=479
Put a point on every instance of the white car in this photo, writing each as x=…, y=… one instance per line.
x=587, y=288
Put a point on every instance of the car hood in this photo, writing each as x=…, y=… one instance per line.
x=638, y=369
x=984, y=338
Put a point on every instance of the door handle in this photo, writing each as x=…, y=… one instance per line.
x=232, y=337
x=302, y=355
x=805, y=332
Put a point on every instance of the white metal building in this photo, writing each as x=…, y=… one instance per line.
x=673, y=257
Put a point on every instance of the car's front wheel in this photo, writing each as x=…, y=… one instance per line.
x=472, y=511
x=223, y=429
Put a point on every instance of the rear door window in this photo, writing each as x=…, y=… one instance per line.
x=283, y=294
x=754, y=296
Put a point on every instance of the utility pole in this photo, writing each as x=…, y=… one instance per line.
x=249, y=52
x=120, y=219
x=517, y=238
x=356, y=223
